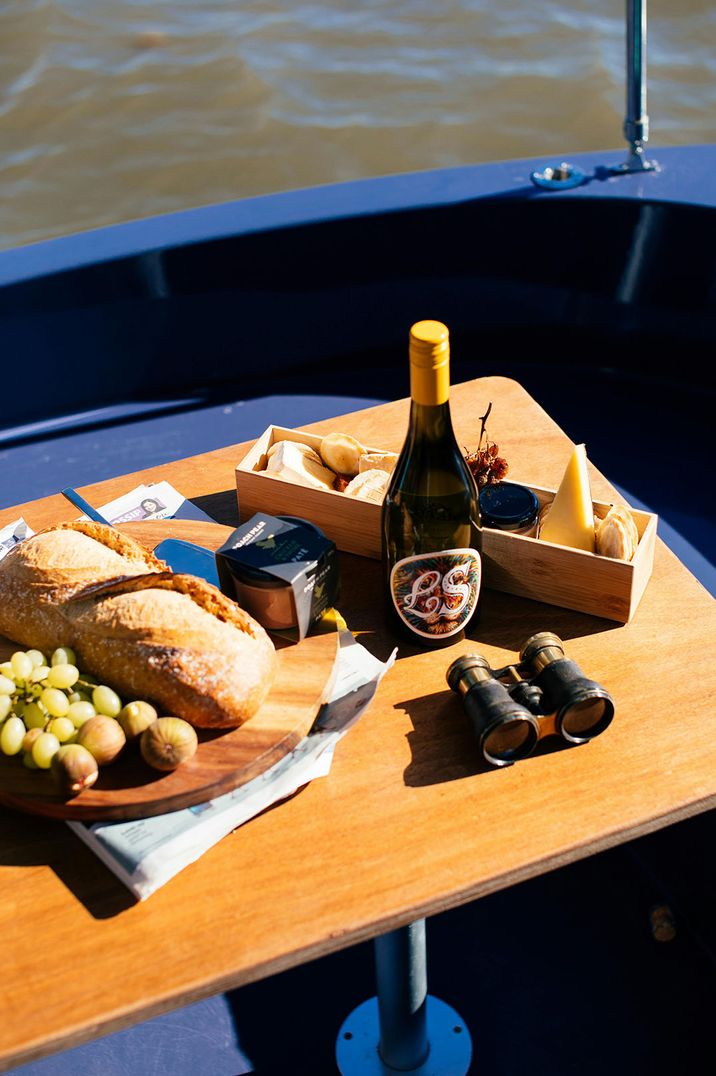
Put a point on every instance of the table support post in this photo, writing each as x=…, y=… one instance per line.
x=402, y=990
x=403, y=1029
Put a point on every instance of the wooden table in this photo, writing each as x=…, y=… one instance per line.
x=407, y=825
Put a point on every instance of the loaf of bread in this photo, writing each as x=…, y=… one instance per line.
x=172, y=639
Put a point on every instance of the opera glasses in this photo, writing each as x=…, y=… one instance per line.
x=543, y=694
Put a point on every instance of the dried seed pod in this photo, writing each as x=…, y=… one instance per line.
x=168, y=742
x=486, y=467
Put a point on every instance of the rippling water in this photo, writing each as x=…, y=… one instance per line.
x=117, y=109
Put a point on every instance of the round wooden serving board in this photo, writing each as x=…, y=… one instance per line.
x=224, y=760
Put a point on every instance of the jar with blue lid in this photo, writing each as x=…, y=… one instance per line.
x=508, y=506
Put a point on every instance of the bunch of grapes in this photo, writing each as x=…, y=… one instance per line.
x=43, y=706
x=59, y=718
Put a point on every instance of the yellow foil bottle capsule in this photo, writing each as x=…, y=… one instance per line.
x=431, y=515
x=429, y=363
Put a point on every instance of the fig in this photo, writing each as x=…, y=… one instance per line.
x=30, y=736
x=135, y=717
x=103, y=737
x=168, y=742
x=74, y=769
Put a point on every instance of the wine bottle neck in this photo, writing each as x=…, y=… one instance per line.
x=431, y=422
x=429, y=378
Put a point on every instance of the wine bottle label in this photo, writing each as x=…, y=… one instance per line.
x=435, y=594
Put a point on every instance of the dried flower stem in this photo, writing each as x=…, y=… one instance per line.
x=483, y=424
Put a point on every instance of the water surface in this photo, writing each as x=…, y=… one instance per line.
x=116, y=109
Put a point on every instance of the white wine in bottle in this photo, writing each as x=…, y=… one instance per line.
x=431, y=513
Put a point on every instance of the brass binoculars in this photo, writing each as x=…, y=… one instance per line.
x=543, y=694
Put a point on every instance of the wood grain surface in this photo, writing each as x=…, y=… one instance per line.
x=129, y=788
x=409, y=822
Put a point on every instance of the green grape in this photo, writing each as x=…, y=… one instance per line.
x=39, y=673
x=80, y=711
x=29, y=762
x=29, y=738
x=12, y=735
x=106, y=701
x=44, y=748
x=7, y=686
x=21, y=665
x=63, y=676
x=63, y=728
x=5, y=706
x=35, y=715
x=55, y=702
x=64, y=655
x=6, y=669
x=78, y=696
x=36, y=657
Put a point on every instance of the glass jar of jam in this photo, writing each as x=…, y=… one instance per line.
x=508, y=506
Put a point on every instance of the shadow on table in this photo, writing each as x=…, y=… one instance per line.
x=30, y=841
x=442, y=743
x=507, y=621
x=504, y=620
x=221, y=506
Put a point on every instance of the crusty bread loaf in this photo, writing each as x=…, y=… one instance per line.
x=39, y=574
x=150, y=634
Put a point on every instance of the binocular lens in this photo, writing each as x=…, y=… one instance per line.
x=510, y=740
x=585, y=718
x=508, y=722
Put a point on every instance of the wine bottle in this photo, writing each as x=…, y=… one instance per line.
x=431, y=513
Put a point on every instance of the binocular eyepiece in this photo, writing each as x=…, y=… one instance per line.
x=544, y=693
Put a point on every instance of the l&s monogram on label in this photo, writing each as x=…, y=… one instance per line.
x=436, y=593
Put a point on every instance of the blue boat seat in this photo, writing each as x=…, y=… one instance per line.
x=199, y=1040
x=44, y=461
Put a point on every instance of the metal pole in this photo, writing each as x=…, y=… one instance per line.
x=389, y=1033
x=402, y=989
x=636, y=121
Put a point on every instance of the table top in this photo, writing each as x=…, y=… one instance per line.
x=408, y=823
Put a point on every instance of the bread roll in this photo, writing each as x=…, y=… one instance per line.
x=150, y=634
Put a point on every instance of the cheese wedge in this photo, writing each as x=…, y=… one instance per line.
x=380, y=461
x=295, y=463
x=570, y=520
x=368, y=486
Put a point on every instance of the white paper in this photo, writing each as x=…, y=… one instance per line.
x=145, y=853
x=158, y=500
x=12, y=533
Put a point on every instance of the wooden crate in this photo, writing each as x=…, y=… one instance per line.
x=352, y=524
x=572, y=578
x=555, y=574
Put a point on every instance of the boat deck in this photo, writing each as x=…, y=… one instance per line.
x=555, y=975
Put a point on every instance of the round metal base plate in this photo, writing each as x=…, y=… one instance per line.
x=450, y=1043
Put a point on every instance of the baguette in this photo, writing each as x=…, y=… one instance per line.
x=38, y=575
x=151, y=634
